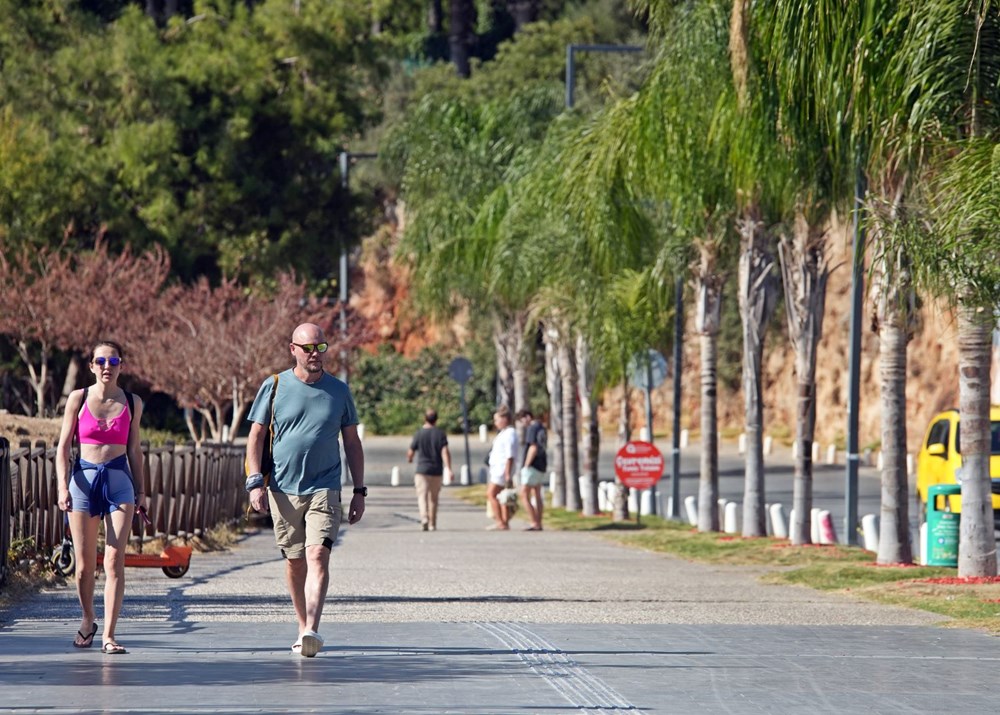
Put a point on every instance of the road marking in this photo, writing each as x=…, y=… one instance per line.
x=567, y=677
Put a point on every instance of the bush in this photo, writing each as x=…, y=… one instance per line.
x=392, y=391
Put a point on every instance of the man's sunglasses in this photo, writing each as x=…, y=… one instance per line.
x=309, y=347
x=112, y=361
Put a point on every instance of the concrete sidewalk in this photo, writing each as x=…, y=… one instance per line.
x=462, y=620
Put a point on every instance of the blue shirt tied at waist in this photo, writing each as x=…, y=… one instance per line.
x=101, y=498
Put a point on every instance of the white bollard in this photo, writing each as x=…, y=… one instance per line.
x=791, y=521
x=447, y=478
x=633, y=501
x=482, y=433
x=869, y=527
x=779, y=528
x=361, y=430
x=691, y=509
x=644, y=435
x=742, y=444
x=909, y=465
x=831, y=454
x=731, y=525
x=394, y=479
x=795, y=449
x=924, y=548
x=721, y=506
x=602, y=497
x=767, y=520
x=878, y=461
x=647, y=501
x=685, y=436
x=814, y=525
x=670, y=506
x=815, y=452
x=827, y=532
x=465, y=475
x=768, y=444
x=552, y=482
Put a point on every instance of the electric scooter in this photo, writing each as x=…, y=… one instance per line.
x=174, y=561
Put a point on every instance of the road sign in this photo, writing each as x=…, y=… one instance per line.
x=639, y=465
x=460, y=370
x=648, y=370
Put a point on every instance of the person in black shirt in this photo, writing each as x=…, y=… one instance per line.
x=533, y=466
x=430, y=445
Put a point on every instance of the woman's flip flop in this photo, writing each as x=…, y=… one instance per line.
x=86, y=640
x=111, y=648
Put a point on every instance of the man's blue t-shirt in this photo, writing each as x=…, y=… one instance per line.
x=308, y=419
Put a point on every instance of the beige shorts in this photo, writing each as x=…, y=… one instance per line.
x=301, y=521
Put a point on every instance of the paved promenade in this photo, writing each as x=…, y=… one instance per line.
x=468, y=621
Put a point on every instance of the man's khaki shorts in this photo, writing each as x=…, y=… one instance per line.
x=301, y=521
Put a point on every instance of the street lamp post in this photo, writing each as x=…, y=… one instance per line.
x=346, y=157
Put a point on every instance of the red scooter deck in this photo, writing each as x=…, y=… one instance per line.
x=174, y=560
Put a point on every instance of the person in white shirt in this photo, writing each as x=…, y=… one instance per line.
x=502, y=456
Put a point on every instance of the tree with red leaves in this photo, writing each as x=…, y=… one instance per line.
x=214, y=345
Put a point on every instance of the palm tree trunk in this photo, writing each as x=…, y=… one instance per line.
x=708, y=484
x=977, y=555
x=894, y=533
x=620, y=511
x=553, y=381
x=893, y=291
x=805, y=272
x=571, y=428
x=756, y=299
x=591, y=430
x=508, y=339
x=708, y=284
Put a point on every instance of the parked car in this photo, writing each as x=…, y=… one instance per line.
x=940, y=460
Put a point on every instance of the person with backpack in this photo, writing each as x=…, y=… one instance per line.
x=304, y=413
x=105, y=484
x=533, y=466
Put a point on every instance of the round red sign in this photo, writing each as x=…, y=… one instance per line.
x=639, y=465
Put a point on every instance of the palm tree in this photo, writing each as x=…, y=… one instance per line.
x=962, y=248
x=657, y=147
x=861, y=72
x=459, y=154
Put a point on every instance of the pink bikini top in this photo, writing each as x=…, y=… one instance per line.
x=112, y=431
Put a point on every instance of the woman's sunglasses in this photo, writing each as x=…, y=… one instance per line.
x=309, y=347
x=112, y=361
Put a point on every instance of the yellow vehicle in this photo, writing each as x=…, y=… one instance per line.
x=940, y=460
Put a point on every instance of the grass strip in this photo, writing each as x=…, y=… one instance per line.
x=970, y=603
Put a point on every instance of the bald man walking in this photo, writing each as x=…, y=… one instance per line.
x=310, y=410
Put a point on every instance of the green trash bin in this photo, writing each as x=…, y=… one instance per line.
x=942, y=527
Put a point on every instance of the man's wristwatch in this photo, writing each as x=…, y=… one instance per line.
x=363, y=491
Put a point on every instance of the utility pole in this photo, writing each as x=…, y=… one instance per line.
x=346, y=158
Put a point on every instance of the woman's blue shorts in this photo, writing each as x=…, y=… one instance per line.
x=100, y=488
